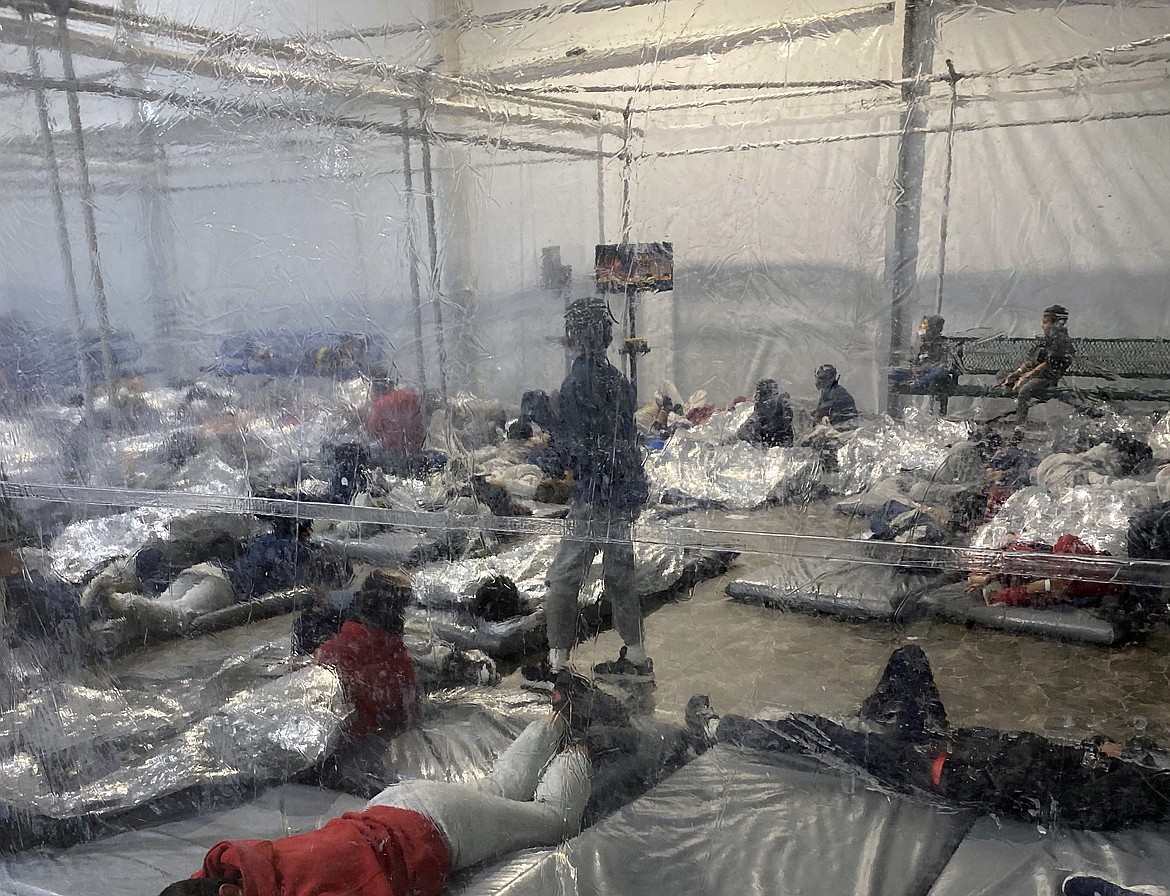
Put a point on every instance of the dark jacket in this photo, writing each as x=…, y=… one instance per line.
x=594, y=437
x=1056, y=350
x=836, y=404
x=770, y=424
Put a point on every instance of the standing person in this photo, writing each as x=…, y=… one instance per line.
x=396, y=420
x=412, y=835
x=835, y=404
x=594, y=441
x=1046, y=363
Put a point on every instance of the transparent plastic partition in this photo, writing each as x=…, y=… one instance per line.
x=231, y=232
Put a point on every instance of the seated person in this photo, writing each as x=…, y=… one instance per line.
x=412, y=835
x=770, y=424
x=1046, y=363
x=932, y=361
x=396, y=419
x=835, y=405
x=371, y=659
x=1098, y=786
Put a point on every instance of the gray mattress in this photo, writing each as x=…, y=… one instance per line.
x=838, y=587
x=1013, y=859
x=741, y=822
x=858, y=590
x=955, y=603
x=144, y=861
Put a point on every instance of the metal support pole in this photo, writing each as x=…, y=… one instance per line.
x=433, y=246
x=87, y=208
x=411, y=251
x=631, y=295
x=946, y=200
x=63, y=244
x=600, y=188
x=902, y=258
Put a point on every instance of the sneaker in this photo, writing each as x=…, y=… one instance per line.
x=473, y=667
x=702, y=721
x=622, y=669
x=565, y=787
x=1087, y=885
x=539, y=677
x=584, y=706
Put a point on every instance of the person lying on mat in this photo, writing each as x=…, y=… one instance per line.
x=905, y=742
x=413, y=835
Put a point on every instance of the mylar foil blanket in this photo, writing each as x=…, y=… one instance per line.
x=737, y=476
x=882, y=448
x=452, y=585
x=1097, y=514
x=89, y=544
x=70, y=750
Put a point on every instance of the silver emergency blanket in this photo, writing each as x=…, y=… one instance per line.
x=446, y=590
x=881, y=448
x=1097, y=514
x=744, y=822
x=71, y=748
x=1159, y=438
x=737, y=476
x=89, y=544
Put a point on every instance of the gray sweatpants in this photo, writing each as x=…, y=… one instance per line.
x=608, y=531
x=200, y=589
x=497, y=814
x=1033, y=391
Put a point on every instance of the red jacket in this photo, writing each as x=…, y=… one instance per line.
x=379, y=852
x=396, y=420
x=377, y=676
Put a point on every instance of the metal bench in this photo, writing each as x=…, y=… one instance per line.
x=1114, y=363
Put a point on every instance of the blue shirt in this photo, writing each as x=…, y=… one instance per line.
x=836, y=404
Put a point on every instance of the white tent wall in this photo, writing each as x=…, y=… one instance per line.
x=1057, y=180
x=765, y=232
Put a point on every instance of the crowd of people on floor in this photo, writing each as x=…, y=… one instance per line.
x=413, y=835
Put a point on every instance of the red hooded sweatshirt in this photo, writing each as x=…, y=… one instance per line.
x=396, y=420
x=379, y=852
x=376, y=674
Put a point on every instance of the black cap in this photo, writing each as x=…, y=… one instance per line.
x=1056, y=312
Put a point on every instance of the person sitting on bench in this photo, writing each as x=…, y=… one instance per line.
x=933, y=360
x=412, y=835
x=1046, y=363
x=910, y=747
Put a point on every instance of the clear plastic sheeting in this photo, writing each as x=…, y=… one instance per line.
x=266, y=264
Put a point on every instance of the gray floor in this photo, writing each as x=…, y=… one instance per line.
x=751, y=660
